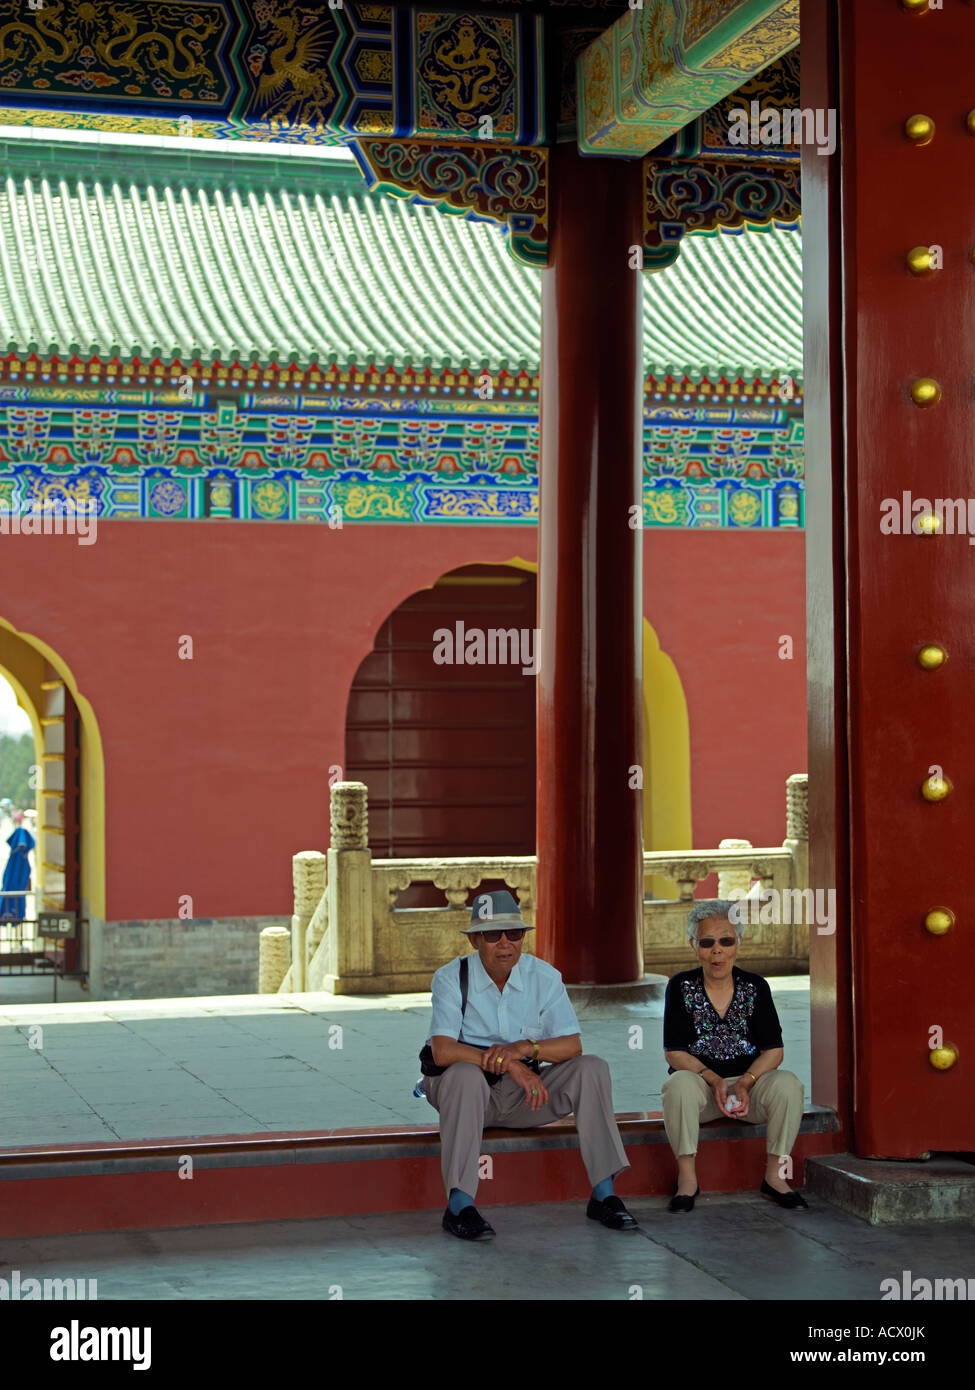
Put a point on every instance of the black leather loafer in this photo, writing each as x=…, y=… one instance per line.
x=681, y=1203
x=789, y=1200
x=468, y=1224
x=611, y=1213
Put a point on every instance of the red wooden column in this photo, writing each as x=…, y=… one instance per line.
x=900, y=598
x=590, y=868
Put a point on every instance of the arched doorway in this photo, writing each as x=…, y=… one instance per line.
x=447, y=746
x=69, y=784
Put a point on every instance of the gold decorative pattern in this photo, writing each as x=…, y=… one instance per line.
x=466, y=69
x=293, y=82
x=681, y=67
x=374, y=65
x=360, y=501
x=495, y=181
x=599, y=86
x=128, y=50
x=700, y=17
x=775, y=35
x=688, y=196
x=374, y=122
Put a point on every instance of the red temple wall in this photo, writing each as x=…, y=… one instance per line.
x=216, y=768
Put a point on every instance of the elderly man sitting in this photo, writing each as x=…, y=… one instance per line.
x=723, y=1044
x=496, y=1015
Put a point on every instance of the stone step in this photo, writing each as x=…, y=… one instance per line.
x=882, y=1191
x=268, y=1177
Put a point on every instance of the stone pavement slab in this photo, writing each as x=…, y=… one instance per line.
x=729, y=1249
x=163, y=1068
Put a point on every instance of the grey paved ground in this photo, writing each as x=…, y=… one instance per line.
x=159, y=1069
x=730, y=1248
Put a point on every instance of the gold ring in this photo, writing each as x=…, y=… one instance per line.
x=534, y=1093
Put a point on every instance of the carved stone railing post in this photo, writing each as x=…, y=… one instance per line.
x=349, y=949
x=797, y=822
x=797, y=843
x=308, y=876
x=274, y=947
x=734, y=883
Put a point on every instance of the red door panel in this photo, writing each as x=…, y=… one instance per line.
x=447, y=750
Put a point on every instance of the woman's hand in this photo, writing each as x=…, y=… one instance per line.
x=740, y=1089
x=719, y=1089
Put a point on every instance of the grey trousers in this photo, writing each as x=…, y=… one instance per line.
x=775, y=1100
x=580, y=1087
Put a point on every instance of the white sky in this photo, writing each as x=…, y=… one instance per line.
x=13, y=720
x=174, y=142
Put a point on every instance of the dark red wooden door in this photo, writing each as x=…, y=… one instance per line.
x=447, y=750
x=890, y=781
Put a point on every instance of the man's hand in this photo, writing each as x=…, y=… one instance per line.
x=535, y=1093
x=498, y=1058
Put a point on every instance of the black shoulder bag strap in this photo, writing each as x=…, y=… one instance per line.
x=427, y=1065
x=464, y=963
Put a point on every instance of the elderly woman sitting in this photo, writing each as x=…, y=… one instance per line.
x=723, y=1043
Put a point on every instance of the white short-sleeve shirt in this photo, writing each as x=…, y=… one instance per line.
x=533, y=1003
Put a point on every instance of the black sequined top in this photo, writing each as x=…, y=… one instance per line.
x=725, y=1045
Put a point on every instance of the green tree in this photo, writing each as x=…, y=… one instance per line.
x=16, y=760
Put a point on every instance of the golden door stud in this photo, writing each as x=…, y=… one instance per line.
x=936, y=788
x=925, y=392
x=920, y=261
x=939, y=921
x=919, y=129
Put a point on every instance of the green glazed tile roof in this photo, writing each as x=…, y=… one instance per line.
x=222, y=256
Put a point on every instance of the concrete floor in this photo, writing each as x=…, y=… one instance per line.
x=730, y=1249
x=168, y=1068
x=155, y=1069
x=41, y=989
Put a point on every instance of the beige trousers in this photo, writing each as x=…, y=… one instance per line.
x=775, y=1100
x=580, y=1087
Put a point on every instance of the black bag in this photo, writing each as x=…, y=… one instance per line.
x=429, y=1067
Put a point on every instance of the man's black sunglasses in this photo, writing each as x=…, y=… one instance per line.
x=706, y=942
x=512, y=933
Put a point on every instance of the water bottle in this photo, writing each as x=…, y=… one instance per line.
x=418, y=1090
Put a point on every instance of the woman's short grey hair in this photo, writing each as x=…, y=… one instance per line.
x=709, y=908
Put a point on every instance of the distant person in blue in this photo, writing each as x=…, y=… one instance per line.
x=723, y=1044
x=16, y=876
x=498, y=1015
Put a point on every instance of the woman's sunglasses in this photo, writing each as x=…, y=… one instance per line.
x=706, y=942
x=512, y=933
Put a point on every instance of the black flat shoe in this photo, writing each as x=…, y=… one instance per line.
x=680, y=1203
x=788, y=1200
x=611, y=1213
x=468, y=1224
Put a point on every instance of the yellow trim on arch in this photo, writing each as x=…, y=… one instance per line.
x=666, y=751
x=667, y=758
x=518, y=563
x=18, y=651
